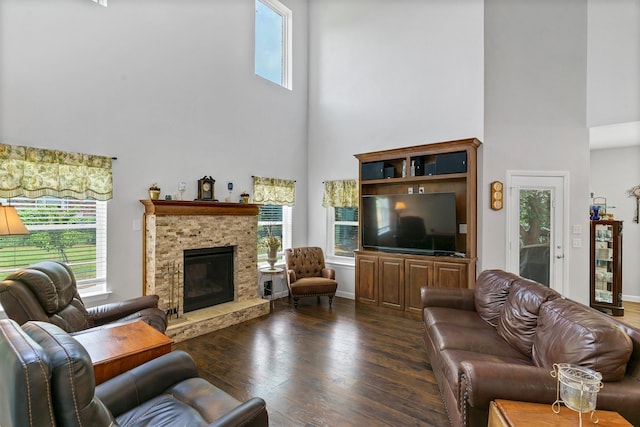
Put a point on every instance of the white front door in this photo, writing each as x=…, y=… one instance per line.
x=536, y=226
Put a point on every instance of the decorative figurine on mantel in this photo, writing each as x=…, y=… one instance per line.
x=154, y=191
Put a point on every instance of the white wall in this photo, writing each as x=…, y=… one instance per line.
x=535, y=116
x=613, y=62
x=166, y=86
x=613, y=172
x=386, y=74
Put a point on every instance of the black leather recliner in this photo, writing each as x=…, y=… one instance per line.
x=47, y=380
x=46, y=291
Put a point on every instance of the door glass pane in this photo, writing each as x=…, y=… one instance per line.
x=604, y=263
x=535, y=234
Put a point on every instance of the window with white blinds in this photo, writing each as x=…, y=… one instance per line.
x=277, y=220
x=67, y=230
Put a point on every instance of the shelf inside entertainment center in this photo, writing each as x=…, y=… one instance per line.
x=389, y=279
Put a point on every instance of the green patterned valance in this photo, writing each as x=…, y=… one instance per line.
x=36, y=172
x=274, y=191
x=341, y=194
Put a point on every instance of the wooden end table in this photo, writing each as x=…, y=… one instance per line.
x=509, y=413
x=119, y=348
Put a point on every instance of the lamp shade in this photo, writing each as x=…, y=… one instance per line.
x=10, y=222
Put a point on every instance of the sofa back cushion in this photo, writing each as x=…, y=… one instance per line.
x=72, y=379
x=569, y=332
x=492, y=289
x=519, y=317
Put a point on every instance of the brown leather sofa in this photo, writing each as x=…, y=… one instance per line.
x=501, y=340
x=47, y=380
x=46, y=291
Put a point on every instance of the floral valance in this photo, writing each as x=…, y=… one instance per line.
x=341, y=194
x=274, y=191
x=36, y=172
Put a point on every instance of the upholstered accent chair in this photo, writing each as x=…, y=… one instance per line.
x=46, y=291
x=48, y=380
x=307, y=275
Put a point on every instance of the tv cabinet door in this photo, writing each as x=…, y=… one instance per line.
x=418, y=273
x=366, y=279
x=391, y=282
x=449, y=275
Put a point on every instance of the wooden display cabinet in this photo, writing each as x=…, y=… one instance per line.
x=391, y=281
x=606, y=266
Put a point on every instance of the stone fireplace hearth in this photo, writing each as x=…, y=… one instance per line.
x=173, y=227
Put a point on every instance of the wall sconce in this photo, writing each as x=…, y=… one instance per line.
x=635, y=192
x=10, y=222
x=497, y=201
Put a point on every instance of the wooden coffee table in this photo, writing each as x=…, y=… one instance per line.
x=119, y=348
x=508, y=413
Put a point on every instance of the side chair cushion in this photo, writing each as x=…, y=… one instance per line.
x=72, y=379
x=24, y=375
x=310, y=286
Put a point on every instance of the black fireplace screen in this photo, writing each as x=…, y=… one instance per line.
x=208, y=277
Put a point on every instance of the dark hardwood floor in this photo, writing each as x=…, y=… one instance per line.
x=325, y=367
x=330, y=367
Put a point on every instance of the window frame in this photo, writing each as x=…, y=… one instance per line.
x=331, y=232
x=86, y=287
x=287, y=41
x=287, y=227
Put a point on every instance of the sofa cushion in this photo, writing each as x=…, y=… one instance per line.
x=569, y=332
x=474, y=340
x=519, y=317
x=72, y=380
x=492, y=289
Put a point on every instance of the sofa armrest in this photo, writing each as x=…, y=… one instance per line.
x=253, y=412
x=130, y=389
x=482, y=381
x=460, y=298
x=111, y=312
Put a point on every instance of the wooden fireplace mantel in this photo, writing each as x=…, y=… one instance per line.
x=197, y=207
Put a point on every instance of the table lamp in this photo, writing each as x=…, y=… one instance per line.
x=10, y=222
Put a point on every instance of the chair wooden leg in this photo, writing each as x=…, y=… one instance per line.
x=295, y=302
x=330, y=300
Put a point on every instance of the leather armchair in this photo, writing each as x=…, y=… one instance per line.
x=307, y=275
x=47, y=292
x=48, y=380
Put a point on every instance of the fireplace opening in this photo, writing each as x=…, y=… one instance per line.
x=208, y=277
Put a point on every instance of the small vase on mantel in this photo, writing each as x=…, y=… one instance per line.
x=272, y=256
x=154, y=192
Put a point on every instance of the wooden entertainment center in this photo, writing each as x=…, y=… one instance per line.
x=390, y=280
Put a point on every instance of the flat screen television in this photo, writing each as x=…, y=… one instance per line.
x=410, y=223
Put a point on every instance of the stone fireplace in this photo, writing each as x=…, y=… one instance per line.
x=175, y=228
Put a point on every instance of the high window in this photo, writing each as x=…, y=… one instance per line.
x=63, y=229
x=273, y=43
